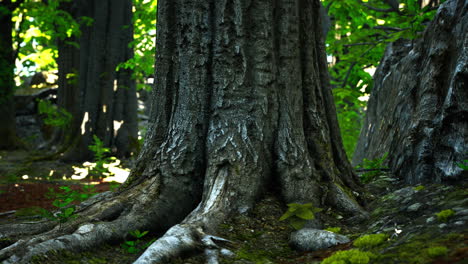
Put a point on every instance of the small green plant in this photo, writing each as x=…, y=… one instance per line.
x=64, y=200
x=375, y=166
x=370, y=241
x=298, y=214
x=419, y=188
x=135, y=246
x=438, y=251
x=333, y=229
x=54, y=115
x=100, y=157
x=463, y=164
x=353, y=256
x=113, y=186
x=444, y=215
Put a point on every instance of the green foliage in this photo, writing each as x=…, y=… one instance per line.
x=356, y=42
x=419, y=188
x=444, y=215
x=334, y=229
x=438, y=251
x=38, y=26
x=375, y=165
x=353, y=256
x=64, y=200
x=100, y=157
x=370, y=241
x=463, y=164
x=135, y=246
x=143, y=44
x=54, y=115
x=298, y=214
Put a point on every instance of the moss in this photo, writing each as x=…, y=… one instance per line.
x=419, y=188
x=334, y=229
x=255, y=256
x=370, y=241
x=378, y=211
x=353, y=256
x=30, y=211
x=418, y=249
x=444, y=215
x=438, y=251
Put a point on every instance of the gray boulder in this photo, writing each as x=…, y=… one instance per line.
x=309, y=239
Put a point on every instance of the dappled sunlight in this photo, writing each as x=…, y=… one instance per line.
x=117, y=125
x=83, y=123
x=116, y=172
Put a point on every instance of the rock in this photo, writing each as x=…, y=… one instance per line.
x=404, y=194
x=430, y=220
x=461, y=212
x=309, y=239
x=417, y=110
x=459, y=223
x=442, y=226
x=414, y=207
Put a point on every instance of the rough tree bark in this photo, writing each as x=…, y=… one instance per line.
x=418, y=109
x=242, y=104
x=103, y=102
x=8, y=137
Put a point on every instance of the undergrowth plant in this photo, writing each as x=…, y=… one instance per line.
x=100, y=158
x=298, y=214
x=136, y=245
x=53, y=115
x=375, y=167
x=463, y=165
x=64, y=200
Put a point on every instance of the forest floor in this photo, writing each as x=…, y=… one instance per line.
x=413, y=218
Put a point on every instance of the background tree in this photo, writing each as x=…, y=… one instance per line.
x=7, y=85
x=418, y=109
x=242, y=105
x=101, y=99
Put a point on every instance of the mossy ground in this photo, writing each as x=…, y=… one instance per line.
x=259, y=236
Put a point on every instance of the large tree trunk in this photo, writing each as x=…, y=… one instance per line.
x=242, y=104
x=418, y=109
x=103, y=102
x=8, y=138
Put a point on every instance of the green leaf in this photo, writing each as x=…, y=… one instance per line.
x=286, y=215
x=305, y=214
x=130, y=243
x=297, y=223
x=69, y=211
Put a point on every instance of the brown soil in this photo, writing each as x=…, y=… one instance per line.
x=15, y=196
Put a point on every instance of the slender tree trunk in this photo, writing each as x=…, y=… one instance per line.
x=242, y=105
x=8, y=138
x=418, y=109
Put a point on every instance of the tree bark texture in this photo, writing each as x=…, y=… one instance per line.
x=418, y=109
x=102, y=101
x=8, y=138
x=242, y=104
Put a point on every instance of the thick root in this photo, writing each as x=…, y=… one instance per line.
x=84, y=237
x=181, y=240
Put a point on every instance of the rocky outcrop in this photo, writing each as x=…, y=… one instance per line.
x=418, y=109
